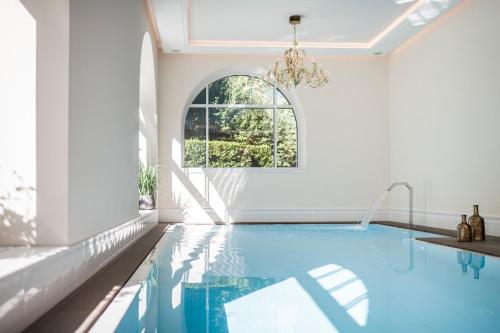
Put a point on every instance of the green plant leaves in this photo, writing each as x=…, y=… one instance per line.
x=147, y=180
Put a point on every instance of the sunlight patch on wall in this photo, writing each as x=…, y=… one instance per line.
x=17, y=124
x=148, y=141
x=204, y=195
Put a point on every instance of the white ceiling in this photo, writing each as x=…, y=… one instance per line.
x=261, y=26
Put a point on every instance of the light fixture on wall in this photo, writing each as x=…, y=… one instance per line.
x=294, y=71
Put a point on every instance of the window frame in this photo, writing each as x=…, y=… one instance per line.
x=294, y=105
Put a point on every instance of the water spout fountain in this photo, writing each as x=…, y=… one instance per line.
x=376, y=205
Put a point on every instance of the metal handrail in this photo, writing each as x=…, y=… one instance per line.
x=410, y=192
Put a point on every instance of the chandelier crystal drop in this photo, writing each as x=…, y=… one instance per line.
x=294, y=71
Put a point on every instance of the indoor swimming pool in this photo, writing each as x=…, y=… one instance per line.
x=306, y=278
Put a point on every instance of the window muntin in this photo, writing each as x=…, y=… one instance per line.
x=286, y=138
x=240, y=121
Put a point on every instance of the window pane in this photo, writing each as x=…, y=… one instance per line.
x=201, y=98
x=281, y=99
x=240, y=89
x=240, y=138
x=195, y=138
x=286, y=137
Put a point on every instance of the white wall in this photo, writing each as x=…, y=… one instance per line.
x=34, y=121
x=69, y=126
x=105, y=56
x=444, y=116
x=17, y=123
x=346, y=144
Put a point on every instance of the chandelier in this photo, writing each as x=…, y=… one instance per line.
x=294, y=71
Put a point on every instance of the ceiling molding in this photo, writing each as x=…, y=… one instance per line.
x=175, y=18
x=273, y=44
x=312, y=45
x=394, y=24
x=151, y=18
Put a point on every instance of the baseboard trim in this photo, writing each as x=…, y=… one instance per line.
x=437, y=219
x=206, y=215
x=440, y=219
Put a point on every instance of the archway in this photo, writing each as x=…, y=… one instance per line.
x=148, y=118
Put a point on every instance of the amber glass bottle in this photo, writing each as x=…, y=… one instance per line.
x=477, y=225
x=464, y=233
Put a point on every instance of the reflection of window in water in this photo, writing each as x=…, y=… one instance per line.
x=472, y=260
x=211, y=295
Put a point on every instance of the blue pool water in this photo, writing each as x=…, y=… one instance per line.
x=313, y=278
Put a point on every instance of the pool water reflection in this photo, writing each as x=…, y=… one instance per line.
x=314, y=278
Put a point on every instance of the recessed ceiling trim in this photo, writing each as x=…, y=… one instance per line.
x=274, y=44
x=310, y=45
x=175, y=24
x=394, y=24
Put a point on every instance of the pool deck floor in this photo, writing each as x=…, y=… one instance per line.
x=490, y=246
x=79, y=310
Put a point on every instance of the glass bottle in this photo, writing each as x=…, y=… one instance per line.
x=464, y=233
x=477, y=225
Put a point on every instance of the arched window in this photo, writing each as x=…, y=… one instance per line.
x=240, y=121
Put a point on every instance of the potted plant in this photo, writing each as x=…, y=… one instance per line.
x=148, y=182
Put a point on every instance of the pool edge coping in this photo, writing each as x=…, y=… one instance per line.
x=111, y=316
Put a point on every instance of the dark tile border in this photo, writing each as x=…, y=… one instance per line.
x=275, y=222
x=439, y=231
x=294, y=222
x=490, y=246
x=79, y=310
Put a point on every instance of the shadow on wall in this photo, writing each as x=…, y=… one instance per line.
x=17, y=216
x=205, y=195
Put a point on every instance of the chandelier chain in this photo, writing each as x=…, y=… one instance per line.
x=295, y=36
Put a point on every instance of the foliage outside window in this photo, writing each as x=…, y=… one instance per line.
x=240, y=121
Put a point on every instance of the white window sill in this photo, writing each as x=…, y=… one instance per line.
x=211, y=171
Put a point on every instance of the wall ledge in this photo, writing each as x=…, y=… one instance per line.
x=34, y=279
